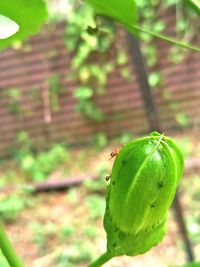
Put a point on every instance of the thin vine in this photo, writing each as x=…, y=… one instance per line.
x=90, y=39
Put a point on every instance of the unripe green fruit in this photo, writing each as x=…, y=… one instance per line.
x=144, y=178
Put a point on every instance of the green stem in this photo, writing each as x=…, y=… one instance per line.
x=163, y=37
x=101, y=260
x=8, y=249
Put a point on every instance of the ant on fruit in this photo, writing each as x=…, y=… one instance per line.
x=108, y=177
x=114, y=154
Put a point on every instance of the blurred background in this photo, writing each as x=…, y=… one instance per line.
x=71, y=95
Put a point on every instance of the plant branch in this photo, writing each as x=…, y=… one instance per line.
x=8, y=249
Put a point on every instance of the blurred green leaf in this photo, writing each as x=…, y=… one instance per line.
x=123, y=11
x=95, y=205
x=28, y=15
x=90, y=110
x=67, y=230
x=154, y=79
x=83, y=92
x=39, y=166
x=100, y=140
x=76, y=254
x=14, y=93
x=185, y=145
x=158, y=26
x=10, y=207
x=195, y=5
x=91, y=231
x=121, y=57
x=182, y=119
x=126, y=74
x=95, y=185
x=72, y=196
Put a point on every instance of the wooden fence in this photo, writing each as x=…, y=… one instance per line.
x=25, y=77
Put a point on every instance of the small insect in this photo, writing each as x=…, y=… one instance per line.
x=114, y=154
x=108, y=177
x=93, y=30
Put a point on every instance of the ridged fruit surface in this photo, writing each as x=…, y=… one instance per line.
x=144, y=178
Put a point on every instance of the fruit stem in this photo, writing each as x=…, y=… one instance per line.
x=101, y=260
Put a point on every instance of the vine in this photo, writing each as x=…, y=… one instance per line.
x=185, y=28
x=90, y=39
x=90, y=45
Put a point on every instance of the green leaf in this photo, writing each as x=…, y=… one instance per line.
x=195, y=5
x=29, y=16
x=121, y=57
x=122, y=11
x=83, y=92
x=154, y=79
x=182, y=119
x=125, y=12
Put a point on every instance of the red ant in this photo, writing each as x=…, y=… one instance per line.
x=108, y=177
x=114, y=154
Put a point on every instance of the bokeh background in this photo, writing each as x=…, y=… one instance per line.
x=71, y=95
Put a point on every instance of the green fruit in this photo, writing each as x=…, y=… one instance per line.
x=144, y=178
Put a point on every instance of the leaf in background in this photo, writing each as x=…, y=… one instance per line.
x=28, y=15
x=154, y=79
x=83, y=92
x=125, y=12
x=195, y=5
x=122, y=11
